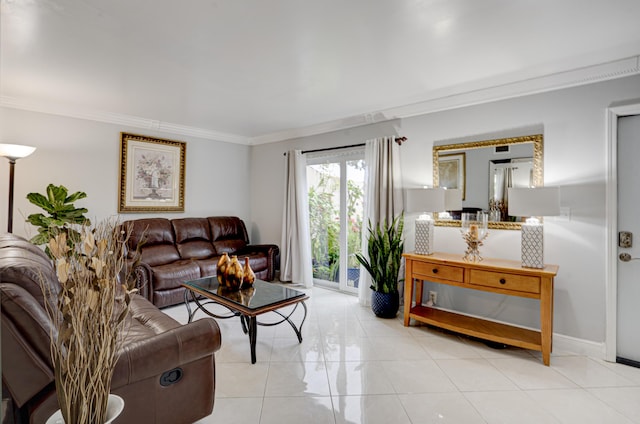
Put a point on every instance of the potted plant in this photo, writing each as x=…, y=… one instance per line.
x=61, y=213
x=89, y=316
x=384, y=256
x=89, y=309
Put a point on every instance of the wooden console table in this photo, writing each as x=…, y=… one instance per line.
x=491, y=275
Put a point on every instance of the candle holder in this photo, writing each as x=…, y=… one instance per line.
x=474, y=231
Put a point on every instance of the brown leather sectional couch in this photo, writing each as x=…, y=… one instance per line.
x=156, y=346
x=183, y=249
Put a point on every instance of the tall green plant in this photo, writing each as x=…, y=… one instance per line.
x=62, y=214
x=384, y=248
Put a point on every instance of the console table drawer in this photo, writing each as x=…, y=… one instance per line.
x=439, y=272
x=515, y=282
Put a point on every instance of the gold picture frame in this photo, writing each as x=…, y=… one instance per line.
x=452, y=172
x=152, y=174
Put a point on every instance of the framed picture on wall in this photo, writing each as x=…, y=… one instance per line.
x=451, y=169
x=152, y=173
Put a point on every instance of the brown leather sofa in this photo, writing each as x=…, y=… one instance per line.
x=183, y=249
x=157, y=350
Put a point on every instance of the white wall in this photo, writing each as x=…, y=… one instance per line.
x=84, y=156
x=575, y=149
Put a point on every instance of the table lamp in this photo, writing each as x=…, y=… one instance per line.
x=533, y=202
x=425, y=201
x=13, y=152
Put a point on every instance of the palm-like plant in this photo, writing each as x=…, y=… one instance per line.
x=384, y=248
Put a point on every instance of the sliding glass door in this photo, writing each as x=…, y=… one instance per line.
x=335, y=187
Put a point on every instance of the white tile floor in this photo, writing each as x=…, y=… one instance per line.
x=355, y=368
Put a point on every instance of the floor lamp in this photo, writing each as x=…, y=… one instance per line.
x=13, y=152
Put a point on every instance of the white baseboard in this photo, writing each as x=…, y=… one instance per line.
x=568, y=344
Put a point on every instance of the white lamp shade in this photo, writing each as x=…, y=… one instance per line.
x=15, y=151
x=425, y=200
x=538, y=201
x=452, y=199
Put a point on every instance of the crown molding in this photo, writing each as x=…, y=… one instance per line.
x=446, y=101
x=118, y=119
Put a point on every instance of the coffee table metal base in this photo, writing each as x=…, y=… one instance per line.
x=249, y=323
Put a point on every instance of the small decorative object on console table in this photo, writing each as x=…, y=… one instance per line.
x=474, y=231
x=492, y=275
x=533, y=202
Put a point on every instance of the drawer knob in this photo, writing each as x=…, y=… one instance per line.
x=503, y=281
x=434, y=270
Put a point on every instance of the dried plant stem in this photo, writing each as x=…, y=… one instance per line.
x=89, y=317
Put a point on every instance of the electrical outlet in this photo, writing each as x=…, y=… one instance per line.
x=433, y=297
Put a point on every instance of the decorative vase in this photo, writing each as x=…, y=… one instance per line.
x=233, y=274
x=474, y=231
x=115, y=405
x=385, y=305
x=249, y=275
x=223, y=263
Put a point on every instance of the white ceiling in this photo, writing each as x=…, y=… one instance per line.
x=263, y=70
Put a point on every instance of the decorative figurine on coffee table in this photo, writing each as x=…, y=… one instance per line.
x=474, y=231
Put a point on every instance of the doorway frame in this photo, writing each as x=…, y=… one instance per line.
x=611, y=295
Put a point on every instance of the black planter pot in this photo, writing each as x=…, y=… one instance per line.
x=385, y=305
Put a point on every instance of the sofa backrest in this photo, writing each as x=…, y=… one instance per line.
x=193, y=238
x=26, y=265
x=228, y=234
x=158, y=245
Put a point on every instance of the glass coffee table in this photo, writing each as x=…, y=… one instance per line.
x=248, y=303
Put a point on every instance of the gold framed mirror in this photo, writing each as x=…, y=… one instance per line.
x=483, y=170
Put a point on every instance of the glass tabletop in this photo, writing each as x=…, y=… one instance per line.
x=260, y=295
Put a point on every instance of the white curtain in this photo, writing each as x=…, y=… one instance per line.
x=383, y=195
x=295, y=246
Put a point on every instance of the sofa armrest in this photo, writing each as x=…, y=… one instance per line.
x=27, y=368
x=270, y=250
x=143, y=275
x=153, y=356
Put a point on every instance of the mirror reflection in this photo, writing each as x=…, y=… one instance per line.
x=484, y=170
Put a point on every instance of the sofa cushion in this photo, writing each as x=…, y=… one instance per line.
x=150, y=231
x=159, y=254
x=155, y=235
x=209, y=266
x=258, y=261
x=229, y=246
x=193, y=238
x=171, y=275
x=228, y=234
